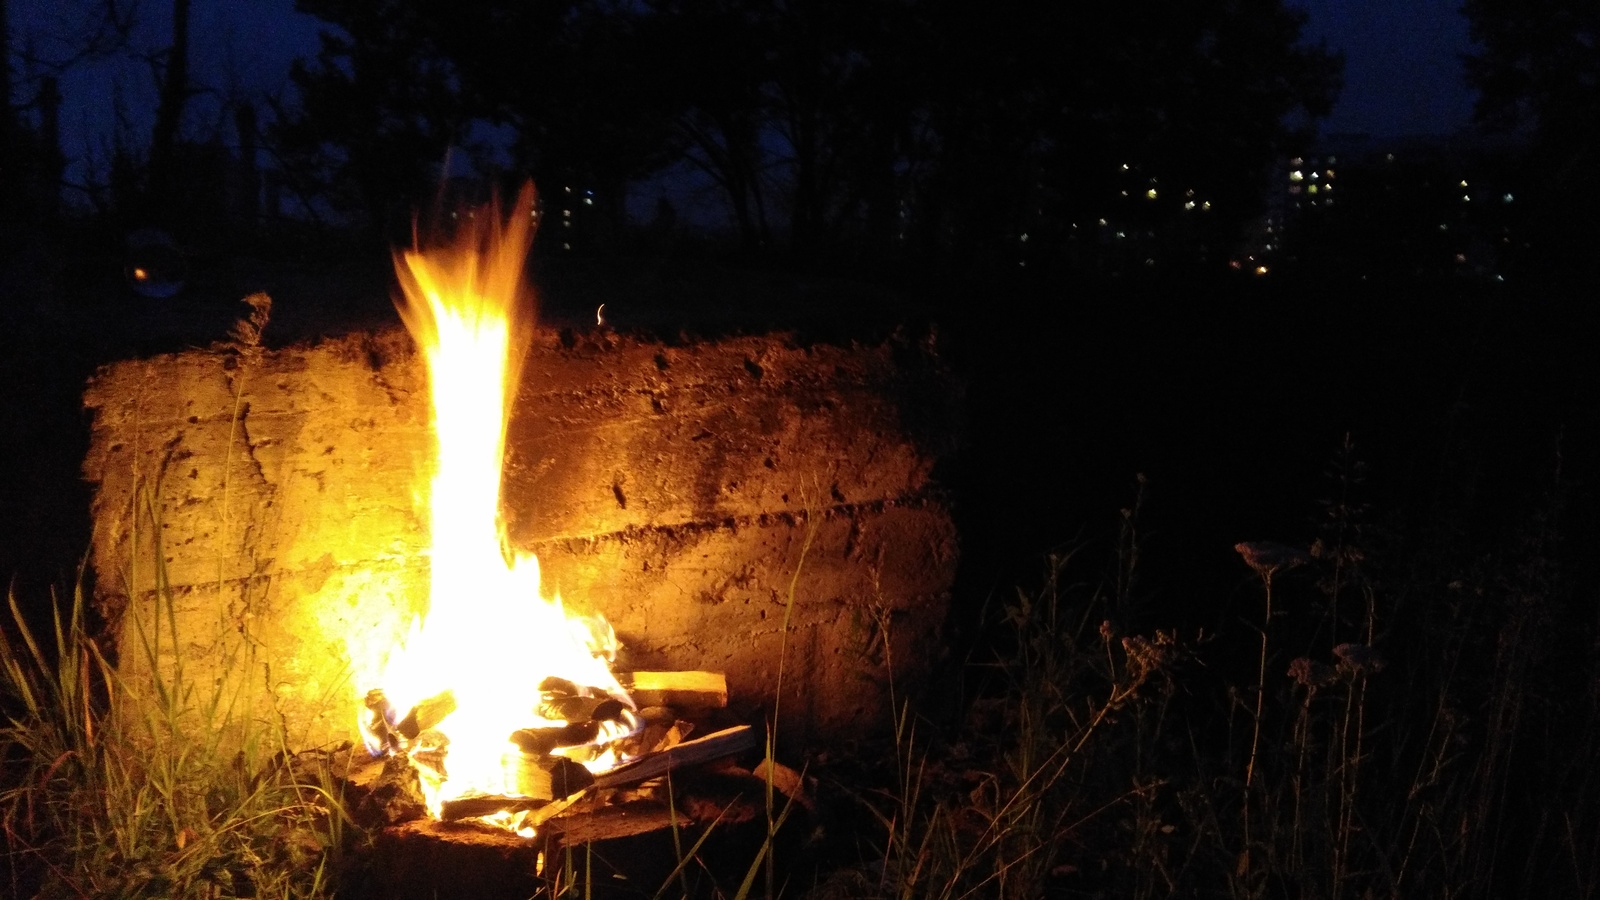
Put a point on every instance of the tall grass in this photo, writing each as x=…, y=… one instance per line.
x=1394, y=713
x=1001, y=806
x=118, y=790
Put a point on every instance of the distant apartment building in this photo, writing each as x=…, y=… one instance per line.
x=1427, y=206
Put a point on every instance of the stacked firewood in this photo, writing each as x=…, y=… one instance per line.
x=687, y=767
x=663, y=734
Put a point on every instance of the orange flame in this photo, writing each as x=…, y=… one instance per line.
x=489, y=636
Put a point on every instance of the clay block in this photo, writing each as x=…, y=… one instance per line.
x=275, y=500
x=436, y=860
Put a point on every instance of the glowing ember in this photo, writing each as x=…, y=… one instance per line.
x=475, y=661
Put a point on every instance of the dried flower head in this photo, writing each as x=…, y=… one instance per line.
x=1267, y=557
x=1358, y=660
x=246, y=332
x=1312, y=674
x=1146, y=655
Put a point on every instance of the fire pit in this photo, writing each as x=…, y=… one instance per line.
x=751, y=507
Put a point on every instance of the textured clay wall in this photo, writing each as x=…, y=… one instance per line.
x=279, y=495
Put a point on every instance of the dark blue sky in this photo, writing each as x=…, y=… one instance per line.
x=1402, y=64
x=1402, y=76
x=239, y=48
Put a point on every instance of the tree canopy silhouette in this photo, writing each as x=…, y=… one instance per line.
x=919, y=125
x=1538, y=72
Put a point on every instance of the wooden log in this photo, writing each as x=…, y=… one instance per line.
x=717, y=745
x=486, y=805
x=388, y=793
x=540, y=741
x=539, y=781
x=582, y=709
x=681, y=690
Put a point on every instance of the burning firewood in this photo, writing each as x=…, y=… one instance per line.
x=539, y=780
x=393, y=731
x=718, y=745
x=680, y=690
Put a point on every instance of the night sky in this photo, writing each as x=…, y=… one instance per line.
x=1402, y=64
x=1402, y=75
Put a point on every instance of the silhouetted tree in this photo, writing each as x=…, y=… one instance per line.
x=927, y=124
x=577, y=85
x=1538, y=72
x=719, y=98
x=164, y=174
x=7, y=114
x=1076, y=113
x=379, y=107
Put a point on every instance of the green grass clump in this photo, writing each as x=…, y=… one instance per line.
x=106, y=796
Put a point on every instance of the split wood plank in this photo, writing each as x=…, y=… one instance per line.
x=682, y=690
x=717, y=745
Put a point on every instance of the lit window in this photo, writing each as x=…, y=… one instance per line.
x=1312, y=189
x=1297, y=161
x=1102, y=223
x=1206, y=205
x=1024, y=237
x=1297, y=175
x=1506, y=197
x=1463, y=182
x=1124, y=167
x=1150, y=194
x=1188, y=204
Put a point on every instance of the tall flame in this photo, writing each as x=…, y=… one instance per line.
x=489, y=636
